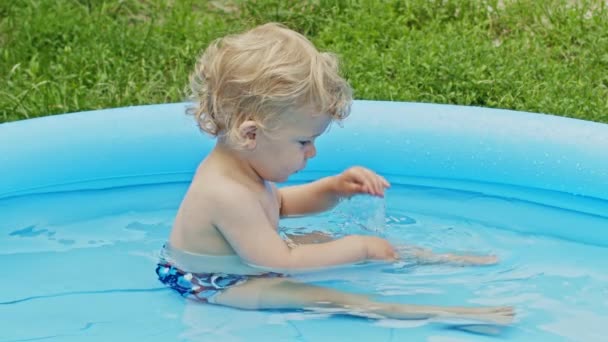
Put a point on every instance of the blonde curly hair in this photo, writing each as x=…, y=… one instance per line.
x=260, y=75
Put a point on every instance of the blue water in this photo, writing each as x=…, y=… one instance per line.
x=80, y=266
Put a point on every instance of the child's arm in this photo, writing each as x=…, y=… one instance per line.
x=325, y=193
x=307, y=238
x=252, y=236
x=308, y=198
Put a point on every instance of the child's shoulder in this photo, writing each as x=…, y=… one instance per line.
x=221, y=189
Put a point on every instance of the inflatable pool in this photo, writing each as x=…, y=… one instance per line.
x=86, y=201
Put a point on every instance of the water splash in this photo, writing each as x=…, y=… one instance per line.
x=365, y=214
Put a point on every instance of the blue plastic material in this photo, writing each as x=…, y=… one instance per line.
x=448, y=146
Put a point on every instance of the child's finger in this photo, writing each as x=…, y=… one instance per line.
x=385, y=182
x=375, y=187
x=374, y=183
x=366, y=189
x=354, y=188
x=379, y=185
x=370, y=181
x=379, y=189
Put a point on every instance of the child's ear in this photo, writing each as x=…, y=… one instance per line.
x=248, y=131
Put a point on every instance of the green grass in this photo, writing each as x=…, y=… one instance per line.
x=59, y=56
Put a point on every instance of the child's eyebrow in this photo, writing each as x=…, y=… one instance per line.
x=313, y=136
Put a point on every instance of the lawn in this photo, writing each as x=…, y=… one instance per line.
x=59, y=56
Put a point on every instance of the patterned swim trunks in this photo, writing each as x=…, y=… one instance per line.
x=201, y=286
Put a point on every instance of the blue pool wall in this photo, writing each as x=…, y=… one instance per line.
x=496, y=152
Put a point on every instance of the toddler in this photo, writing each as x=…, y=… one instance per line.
x=266, y=95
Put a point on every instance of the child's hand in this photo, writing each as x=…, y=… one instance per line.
x=359, y=180
x=379, y=249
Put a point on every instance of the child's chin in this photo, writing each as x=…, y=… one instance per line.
x=279, y=179
x=284, y=178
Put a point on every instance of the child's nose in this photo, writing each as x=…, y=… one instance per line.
x=312, y=152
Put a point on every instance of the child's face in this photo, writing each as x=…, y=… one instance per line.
x=286, y=150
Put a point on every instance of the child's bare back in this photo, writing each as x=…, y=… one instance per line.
x=195, y=228
x=267, y=95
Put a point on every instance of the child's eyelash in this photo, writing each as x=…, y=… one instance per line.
x=304, y=142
